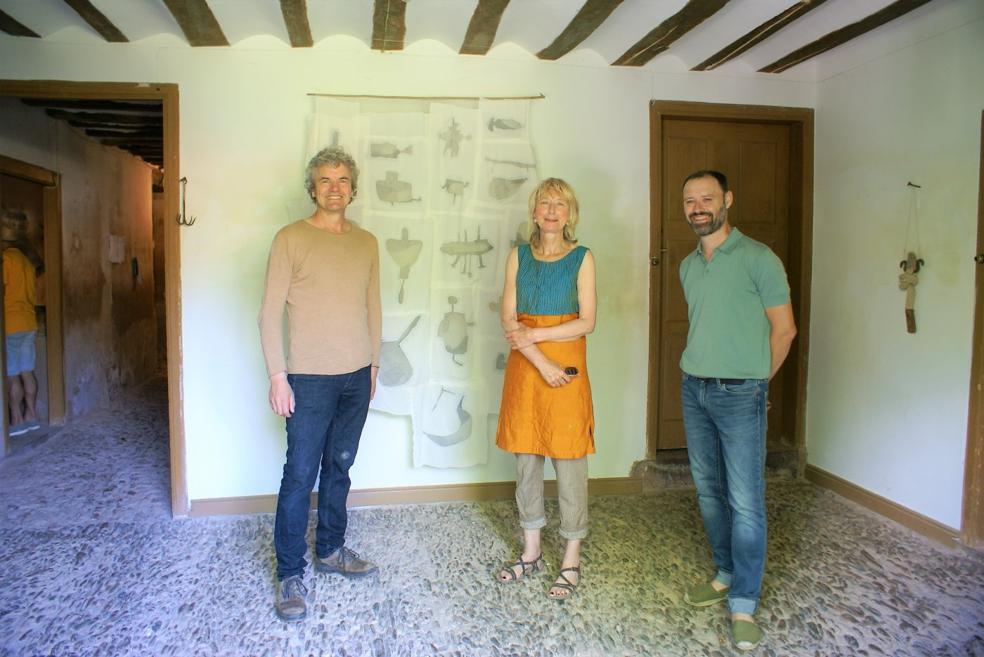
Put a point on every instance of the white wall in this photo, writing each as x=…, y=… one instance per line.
x=888, y=410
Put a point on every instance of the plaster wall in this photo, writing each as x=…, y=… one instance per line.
x=887, y=410
x=108, y=314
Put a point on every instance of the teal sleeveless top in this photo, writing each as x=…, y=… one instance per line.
x=548, y=288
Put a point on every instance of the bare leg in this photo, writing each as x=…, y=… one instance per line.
x=30, y=395
x=572, y=559
x=16, y=397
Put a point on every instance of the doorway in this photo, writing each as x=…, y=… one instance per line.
x=766, y=152
x=167, y=96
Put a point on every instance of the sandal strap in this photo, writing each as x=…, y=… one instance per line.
x=526, y=567
x=567, y=584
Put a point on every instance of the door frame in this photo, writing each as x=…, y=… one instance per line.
x=800, y=121
x=50, y=182
x=972, y=529
x=168, y=95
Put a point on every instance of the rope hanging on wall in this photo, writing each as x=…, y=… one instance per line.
x=911, y=262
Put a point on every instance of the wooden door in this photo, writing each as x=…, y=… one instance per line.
x=757, y=161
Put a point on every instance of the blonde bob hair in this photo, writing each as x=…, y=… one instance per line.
x=558, y=188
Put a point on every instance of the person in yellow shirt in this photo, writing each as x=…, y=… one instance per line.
x=20, y=325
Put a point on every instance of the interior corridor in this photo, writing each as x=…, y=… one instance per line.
x=91, y=563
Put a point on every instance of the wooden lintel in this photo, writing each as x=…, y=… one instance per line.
x=482, y=27
x=153, y=107
x=758, y=34
x=13, y=27
x=389, y=26
x=131, y=135
x=97, y=20
x=659, y=39
x=106, y=118
x=843, y=35
x=296, y=21
x=584, y=23
x=198, y=23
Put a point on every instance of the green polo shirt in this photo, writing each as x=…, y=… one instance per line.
x=726, y=301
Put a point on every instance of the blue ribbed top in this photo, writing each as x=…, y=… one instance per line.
x=548, y=288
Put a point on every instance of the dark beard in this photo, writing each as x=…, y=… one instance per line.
x=712, y=227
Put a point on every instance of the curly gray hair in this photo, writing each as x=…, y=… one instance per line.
x=332, y=156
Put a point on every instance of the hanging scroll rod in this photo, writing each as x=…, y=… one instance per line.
x=537, y=97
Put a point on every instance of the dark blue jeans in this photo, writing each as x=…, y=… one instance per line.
x=322, y=433
x=725, y=425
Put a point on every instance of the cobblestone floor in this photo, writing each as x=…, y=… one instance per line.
x=92, y=564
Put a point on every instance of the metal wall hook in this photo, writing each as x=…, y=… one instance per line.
x=182, y=217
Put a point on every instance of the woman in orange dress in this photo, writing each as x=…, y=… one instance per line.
x=548, y=307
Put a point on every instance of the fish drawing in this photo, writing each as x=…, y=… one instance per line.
x=455, y=188
x=504, y=124
x=386, y=149
x=467, y=250
x=512, y=163
x=393, y=190
x=502, y=188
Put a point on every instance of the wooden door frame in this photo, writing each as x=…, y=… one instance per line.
x=972, y=529
x=800, y=121
x=50, y=182
x=168, y=95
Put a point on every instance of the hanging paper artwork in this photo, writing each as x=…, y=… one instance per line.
x=443, y=186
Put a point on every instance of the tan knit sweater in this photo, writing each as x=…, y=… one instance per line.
x=329, y=284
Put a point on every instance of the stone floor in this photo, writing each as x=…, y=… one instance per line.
x=92, y=564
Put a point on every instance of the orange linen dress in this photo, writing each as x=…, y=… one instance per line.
x=535, y=418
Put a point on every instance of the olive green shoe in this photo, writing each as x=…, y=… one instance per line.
x=704, y=595
x=747, y=634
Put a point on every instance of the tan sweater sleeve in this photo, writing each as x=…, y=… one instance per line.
x=271, y=319
x=374, y=305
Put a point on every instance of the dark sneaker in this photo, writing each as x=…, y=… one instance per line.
x=704, y=595
x=291, y=599
x=344, y=562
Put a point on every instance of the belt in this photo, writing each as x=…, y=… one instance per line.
x=712, y=379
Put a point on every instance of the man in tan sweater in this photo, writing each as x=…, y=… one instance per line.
x=324, y=271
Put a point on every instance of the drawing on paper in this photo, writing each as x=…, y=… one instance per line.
x=522, y=236
x=464, y=250
x=504, y=124
x=386, y=149
x=444, y=405
x=395, y=368
x=454, y=188
x=453, y=330
x=496, y=306
x=503, y=188
x=404, y=252
x=512, y=163
x=500, y=361
x=452, y=138
x=393, y=190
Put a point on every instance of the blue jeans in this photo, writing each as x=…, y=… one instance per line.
x=725, y=425
x=322, y=433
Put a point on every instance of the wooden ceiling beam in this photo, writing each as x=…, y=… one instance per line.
x=843, y=35
x=758, y=34
x=97, y=20
x=659, y=39
x=389, y=24
x=152, y=107
x=197, y=22
x=296, y=21
x=483, y=26
x=588, y=19
x=127, y=135
x=13, y=27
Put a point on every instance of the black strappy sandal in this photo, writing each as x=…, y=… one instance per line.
x=566, y=585
x=526, y=568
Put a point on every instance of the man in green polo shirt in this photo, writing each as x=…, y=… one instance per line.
x=741, y=328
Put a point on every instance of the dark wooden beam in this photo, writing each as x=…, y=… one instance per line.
x=843, y=35
x=106, y=118
x=389, y=24
x=153, y=107
x=584, y=23
x=128, y=141
x=13, y=27
x=758, y=35
x=659, y=39
x=126, y=135
x=296, y=20
x=97, y=20
x=482, y=27
x=197, y=22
